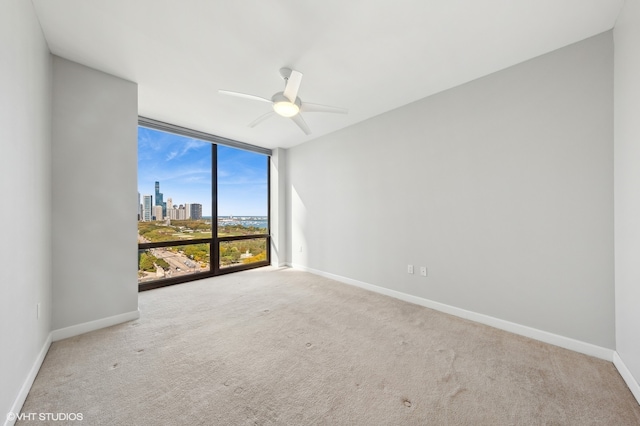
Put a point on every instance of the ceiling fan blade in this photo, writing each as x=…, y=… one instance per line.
x=293, y=85
x=244, y=95
x=301, y=123
x=307, y=107
x=260, y=119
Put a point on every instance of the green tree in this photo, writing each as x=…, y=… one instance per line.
x=147, y=262
x=260, y=257
x=162, y=263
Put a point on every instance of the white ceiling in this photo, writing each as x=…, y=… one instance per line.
x=369, y=57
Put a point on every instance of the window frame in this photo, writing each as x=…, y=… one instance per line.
x=215, y=240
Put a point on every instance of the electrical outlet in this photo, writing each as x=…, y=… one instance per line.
x=423, y=271
x=410, y=269
x=38, y=310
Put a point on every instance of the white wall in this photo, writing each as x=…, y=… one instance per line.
x=278, y=213
x=502, y=187
x=94, y=206
x=25, y=129
x=627, y=186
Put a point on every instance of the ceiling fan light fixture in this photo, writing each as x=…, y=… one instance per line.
x=287, y=103
x=286, y=108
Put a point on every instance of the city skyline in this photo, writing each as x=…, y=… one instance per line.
x=182, y=165
x=157, y=209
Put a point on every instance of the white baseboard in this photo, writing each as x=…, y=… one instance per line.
x=523, y=330
x=634, y=387
x=75, y=330
x=56, y=335
x=28, y=382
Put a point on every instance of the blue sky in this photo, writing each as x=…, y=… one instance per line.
x=182, y=165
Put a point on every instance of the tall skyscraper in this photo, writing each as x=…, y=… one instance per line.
x=147, y=205
x=159, y=200
x=196, y=211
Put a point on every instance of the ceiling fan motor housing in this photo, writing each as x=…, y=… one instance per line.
x=280, y=97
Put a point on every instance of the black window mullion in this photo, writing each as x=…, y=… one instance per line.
x=172, y=243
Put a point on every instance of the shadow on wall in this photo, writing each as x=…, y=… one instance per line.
x=298, y=226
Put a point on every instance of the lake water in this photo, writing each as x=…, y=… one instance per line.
x=246, y=221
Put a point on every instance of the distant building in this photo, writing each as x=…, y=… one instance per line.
x=157, y=213
x=159, y=199
x=187, y=210
x=147, y=204
x=182, y=214
x=172, y=213
x=196, y=211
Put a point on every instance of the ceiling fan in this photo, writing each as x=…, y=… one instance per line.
x=287, y=103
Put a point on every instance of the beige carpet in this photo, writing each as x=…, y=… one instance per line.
x=285, y=347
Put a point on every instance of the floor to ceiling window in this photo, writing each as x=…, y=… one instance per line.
x=203, y=205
